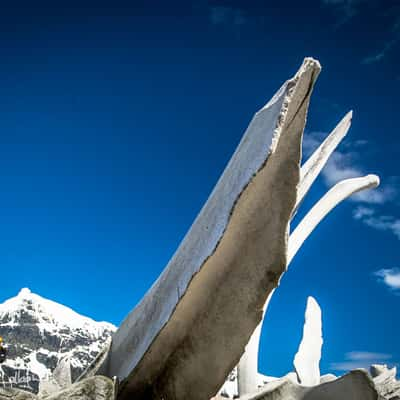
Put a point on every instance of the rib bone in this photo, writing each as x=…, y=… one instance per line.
x=313, y=166
x=330, y=200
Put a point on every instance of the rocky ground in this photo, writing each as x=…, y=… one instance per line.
x=49, y=346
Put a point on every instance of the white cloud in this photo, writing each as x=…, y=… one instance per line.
x=360, y=143
x=311, y=141
x=344, y=165
x=340, y=166
x=390, y=277
x=382, y=53
x=381, y=222
x=366, y=355
x=380, y=195
x=361, y=212
x=349, y=365
x=359, y=359
x=384, y=223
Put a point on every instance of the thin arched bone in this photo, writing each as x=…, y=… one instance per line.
x=248, y=364
x=313, y=166
x=328, y=202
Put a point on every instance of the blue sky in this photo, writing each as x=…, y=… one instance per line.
x=116, y=122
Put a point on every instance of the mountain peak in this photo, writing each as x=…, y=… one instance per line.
x=48, y=313
x=24, y=292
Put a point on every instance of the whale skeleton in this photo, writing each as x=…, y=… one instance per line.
x=248, y=375
x=183, y=338
x=247, y=369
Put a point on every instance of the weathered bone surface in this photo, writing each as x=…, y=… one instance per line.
x=328, y=378
x=380, y=369
x=16, y=394
x=230, y=260
x=306, y=361
x=94, y=388
x=385, y=381
x=356, y=385
x=59, y=380
x=48, y=387
x=62, y=373
x=230, y=388
x=98, y=363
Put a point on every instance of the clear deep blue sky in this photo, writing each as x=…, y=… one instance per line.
x=117, y=120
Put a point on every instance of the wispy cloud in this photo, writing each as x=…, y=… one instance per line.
x=340, y=166
x=378, y=221
x=381, y=195
x=366, y=355
x=390, y=277
x=311, y=141
x=348, y=9
x=382, y=53
x=359, y=359
x=362, y=212
x=345, y=9
x=393, y=37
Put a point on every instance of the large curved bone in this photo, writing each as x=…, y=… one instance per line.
x=175, y=343
x=248, y=376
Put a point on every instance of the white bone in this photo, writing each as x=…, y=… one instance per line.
x=306, y=361
x=330, y=200
x=313, y=166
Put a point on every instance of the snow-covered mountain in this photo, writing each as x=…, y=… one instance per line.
x=39, y=332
